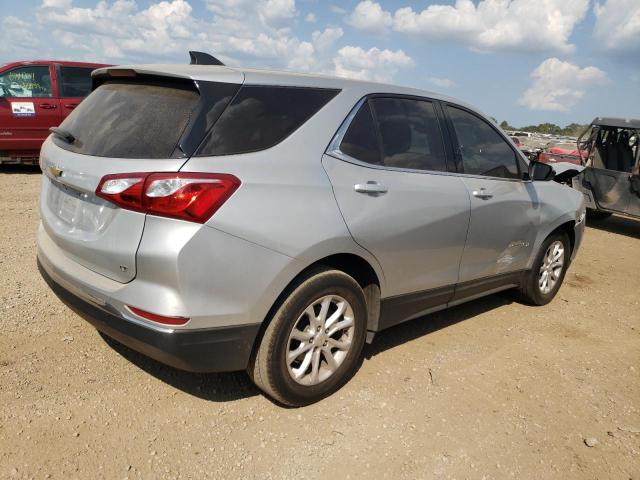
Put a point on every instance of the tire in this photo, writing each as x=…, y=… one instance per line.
x=271, y=371
x=533, y=291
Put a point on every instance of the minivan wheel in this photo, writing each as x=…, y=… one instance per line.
x=313, y=344
x=545, y=278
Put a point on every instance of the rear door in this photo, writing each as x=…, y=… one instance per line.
x=124, y=126
x=504, y=208
x=388, y=168
x=74, y=84
x=28, y=107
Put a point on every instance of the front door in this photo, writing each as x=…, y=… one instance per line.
x=399, y=202
x=504, y=208
x=28, y=108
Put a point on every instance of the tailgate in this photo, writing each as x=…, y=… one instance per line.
x=141, y=122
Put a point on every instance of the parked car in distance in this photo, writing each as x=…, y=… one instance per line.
x=35, y=96
x=516, y=141
x=610, y=179
x=561, y=154
x=221, y=219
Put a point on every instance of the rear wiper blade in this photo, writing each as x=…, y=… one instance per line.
x=63, y=134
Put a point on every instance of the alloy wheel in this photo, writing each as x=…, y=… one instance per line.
x=551, y=269
x=320, y=340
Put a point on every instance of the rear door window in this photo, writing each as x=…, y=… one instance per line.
x=260, y=117
x=130, y=120
x=410, y=134
x=75, y=81
x=482, y=150
x=33, y=81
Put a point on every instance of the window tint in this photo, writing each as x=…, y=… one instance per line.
x=410, y=134
x=26, y=82
x=75, y=81
x=260, y=117
x=483, y=150
x=361, y=141
x=126, y=120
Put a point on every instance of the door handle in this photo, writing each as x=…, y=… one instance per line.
x=371, y=188
x=47, y=106
x=483, y=194
x=71, y=105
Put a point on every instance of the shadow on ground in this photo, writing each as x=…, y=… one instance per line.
x=617, y=224
x=13, y=169
x=422, y=326
x=224, y=387
x=215, y=387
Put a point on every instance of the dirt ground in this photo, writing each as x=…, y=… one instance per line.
x=491, y=389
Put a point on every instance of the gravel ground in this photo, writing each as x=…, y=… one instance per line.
x=491, y=389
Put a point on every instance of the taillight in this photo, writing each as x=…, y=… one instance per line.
x=188, y=196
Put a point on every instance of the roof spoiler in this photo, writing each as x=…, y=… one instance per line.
x=201, y=58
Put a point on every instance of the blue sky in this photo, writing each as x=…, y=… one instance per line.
x=526, y=61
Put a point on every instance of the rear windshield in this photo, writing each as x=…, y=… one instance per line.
x=126, y=120
x=260, y=117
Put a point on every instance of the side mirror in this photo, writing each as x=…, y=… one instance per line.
x=541, y=172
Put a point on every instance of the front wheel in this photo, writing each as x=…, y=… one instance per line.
x=543, y=281
x=314, y=340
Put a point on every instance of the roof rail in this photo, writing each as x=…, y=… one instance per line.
x=201, y=58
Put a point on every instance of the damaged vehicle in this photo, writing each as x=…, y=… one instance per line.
x=219, y=219
x=610, y=176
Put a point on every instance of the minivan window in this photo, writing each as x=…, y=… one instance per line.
x=482, y=149
x=75, y=81
x=361, y=141
x=410, y=134
x=130, y=120
x=26, y=82
x=260, y=117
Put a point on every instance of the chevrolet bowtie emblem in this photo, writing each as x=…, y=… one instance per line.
x=55, y=171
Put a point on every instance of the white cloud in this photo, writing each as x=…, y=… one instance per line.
x=325, y=40
x=373, y=64
x=441, y=82
x=275, y=12
x=120, y=31
x=521, y=25
x=239, y=32
x=311, y=18
x=617, y=25
x=16, y=37
x=369, y=16
x=558, y=86
x=337, y=9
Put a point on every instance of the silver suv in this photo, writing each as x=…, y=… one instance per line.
x=221, y=219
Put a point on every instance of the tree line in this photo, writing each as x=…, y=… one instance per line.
x=572, y=130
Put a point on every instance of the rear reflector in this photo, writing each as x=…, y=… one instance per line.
x=154, y=317
x=187, y=196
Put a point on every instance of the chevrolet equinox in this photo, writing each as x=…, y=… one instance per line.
x=220, y=219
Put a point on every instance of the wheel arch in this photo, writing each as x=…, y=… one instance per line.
x=353, y=265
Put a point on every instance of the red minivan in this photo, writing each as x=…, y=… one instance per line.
x=35, y=96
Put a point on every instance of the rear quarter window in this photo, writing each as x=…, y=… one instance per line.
x=260, y=117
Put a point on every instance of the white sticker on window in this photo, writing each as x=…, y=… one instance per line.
x=23, y=109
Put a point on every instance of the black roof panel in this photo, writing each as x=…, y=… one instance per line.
x=616, y=122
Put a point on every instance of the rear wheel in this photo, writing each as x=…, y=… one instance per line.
x=545, y=278
x=312, y=345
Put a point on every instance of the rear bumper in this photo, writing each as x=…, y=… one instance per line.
x=220, y=349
